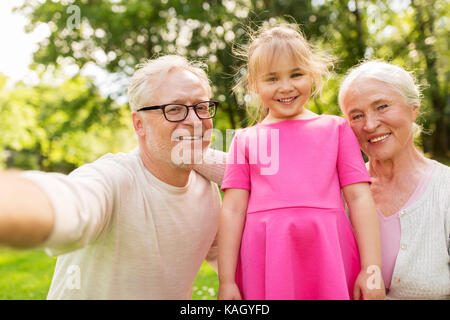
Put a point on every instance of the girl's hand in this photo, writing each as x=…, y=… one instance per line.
x=369, y=286
x=229, y=291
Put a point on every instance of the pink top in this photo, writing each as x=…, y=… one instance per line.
x=390, y=229
x=297, y=242
x=304, y=162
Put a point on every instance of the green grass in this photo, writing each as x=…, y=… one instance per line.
x=206, y=284
x=27, y=274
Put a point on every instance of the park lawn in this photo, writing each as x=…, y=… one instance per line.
x=27, y=274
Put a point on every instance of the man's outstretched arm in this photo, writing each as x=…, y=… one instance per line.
x=26, y=214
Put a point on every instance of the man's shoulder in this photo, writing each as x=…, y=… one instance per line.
x=120, y=157
x=110, y=166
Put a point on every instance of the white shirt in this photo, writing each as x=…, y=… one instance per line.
x=121, y=233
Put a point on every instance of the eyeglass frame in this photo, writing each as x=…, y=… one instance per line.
x=193, y=106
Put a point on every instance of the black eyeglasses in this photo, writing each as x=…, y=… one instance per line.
x=175, y=112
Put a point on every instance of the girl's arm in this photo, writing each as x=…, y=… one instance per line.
x=364, y=219
x=231, y=226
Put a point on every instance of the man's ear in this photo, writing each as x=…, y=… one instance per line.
x=138, y=124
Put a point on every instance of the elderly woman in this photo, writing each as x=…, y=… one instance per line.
x=412, y=193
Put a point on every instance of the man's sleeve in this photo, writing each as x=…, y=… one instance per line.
x=82, y=205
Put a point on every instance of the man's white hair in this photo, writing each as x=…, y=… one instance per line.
x=150, y=74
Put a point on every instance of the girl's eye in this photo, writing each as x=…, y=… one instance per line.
x=271, y=79
x=296, y=75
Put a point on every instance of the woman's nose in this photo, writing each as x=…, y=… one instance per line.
x=371, y=122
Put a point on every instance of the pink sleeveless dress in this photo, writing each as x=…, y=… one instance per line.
x=297, y=241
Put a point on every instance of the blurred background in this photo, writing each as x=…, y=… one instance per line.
x=65, y=67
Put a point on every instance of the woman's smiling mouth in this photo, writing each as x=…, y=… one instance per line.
x=379, y=138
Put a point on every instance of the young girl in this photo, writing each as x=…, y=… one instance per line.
x=284, y=233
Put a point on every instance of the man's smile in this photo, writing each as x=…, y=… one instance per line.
x=189, y=138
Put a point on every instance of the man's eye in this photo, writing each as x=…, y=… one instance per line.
x=384, y=106
x=202, y=107
x=174, y=109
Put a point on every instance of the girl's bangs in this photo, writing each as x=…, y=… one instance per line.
x=265, y=54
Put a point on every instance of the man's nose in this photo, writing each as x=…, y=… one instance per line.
x=192, y=117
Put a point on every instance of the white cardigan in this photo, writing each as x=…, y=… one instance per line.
x=422, y=268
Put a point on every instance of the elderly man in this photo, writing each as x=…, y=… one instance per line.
x=128, y=226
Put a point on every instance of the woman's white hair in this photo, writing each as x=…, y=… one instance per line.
x=150, y=74
x=395, y=76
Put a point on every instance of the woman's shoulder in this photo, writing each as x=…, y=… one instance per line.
x=442, y=179
x=440, y=186
x=442, y=167
x=442, y=174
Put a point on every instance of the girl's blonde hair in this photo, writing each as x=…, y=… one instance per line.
x=265, y=45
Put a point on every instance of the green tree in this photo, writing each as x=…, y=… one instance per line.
x=117, y=35
x=60, y=127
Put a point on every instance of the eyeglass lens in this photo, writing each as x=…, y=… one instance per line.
x=177, y=112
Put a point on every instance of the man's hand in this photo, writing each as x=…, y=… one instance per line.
x=26, y=214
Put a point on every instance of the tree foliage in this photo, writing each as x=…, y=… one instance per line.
x=59, y=127
x=117, y=35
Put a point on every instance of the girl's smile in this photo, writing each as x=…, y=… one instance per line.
x=287, y=101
